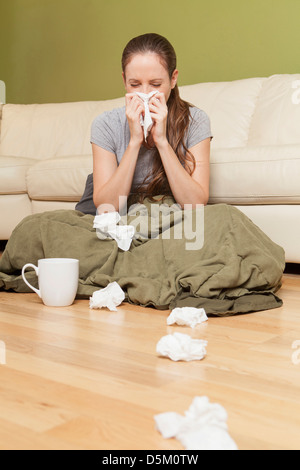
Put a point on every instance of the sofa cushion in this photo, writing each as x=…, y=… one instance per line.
x=45, y=206
x=230, y=107
x=53, y=129
x=276, y=120
x=255, y=175
x=13, y=174
x=59, y=179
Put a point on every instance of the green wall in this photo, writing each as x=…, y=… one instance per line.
x=70, y=50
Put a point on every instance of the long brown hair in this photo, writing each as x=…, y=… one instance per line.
x=178, y=120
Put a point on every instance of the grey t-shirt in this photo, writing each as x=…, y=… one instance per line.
x=110, y=130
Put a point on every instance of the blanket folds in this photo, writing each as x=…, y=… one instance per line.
x=237, y=270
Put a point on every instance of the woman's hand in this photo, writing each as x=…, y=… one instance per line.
x=159, y=113
x=134, y=109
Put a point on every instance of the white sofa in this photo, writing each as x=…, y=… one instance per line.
x=45, y=153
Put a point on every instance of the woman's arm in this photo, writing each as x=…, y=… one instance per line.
x=187, y=189
x=110, y=180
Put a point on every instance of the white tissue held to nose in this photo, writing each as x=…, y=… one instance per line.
x=146, y=121
x=187, y=316
x=111, y=296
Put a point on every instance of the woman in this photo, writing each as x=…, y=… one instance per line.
x=175, y=158
x=238, y=269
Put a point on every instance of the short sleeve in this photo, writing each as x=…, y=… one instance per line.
x=199, y=128
x=102, y=132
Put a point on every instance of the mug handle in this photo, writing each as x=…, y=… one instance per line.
x=29, y=265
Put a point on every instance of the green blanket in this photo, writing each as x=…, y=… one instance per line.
x=237, y=270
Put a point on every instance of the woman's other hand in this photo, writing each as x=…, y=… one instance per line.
x=159, y=114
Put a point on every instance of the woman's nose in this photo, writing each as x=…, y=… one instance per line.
x=146, y=90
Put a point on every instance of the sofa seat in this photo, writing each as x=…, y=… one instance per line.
x=13, y=171
x=59, y=179
x=255, y=175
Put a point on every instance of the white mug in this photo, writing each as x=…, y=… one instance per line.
x=58, y=280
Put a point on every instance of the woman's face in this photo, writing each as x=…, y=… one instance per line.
x=145, y=73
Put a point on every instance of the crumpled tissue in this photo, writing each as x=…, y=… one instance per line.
x=146, y=121
x=181, y=347
x=106, y=226
x=189, y=316
x=111, y=296
x=203, y=426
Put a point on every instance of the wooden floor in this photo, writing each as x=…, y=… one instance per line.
x=77, y=378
